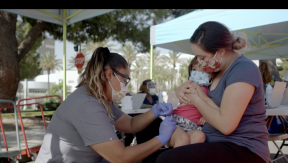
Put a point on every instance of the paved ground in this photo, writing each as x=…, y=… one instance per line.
x=35, y=131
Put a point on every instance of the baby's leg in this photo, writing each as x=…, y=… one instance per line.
x=196, y=136
x=179, y=138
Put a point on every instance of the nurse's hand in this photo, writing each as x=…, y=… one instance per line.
x=167, y=127
x=162, y=109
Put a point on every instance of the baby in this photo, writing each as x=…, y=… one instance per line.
x=188, y=117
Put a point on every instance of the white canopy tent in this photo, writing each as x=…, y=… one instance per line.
x=266, y=30
x=61, y=17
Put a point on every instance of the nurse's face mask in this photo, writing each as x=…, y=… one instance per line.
x=118, y=95
x=151, y=86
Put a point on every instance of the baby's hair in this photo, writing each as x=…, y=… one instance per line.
x=192, y=63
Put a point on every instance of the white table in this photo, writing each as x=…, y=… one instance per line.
x=281, y=110
x=136, y=111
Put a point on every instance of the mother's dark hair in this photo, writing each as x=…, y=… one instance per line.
x=212, y=36
x=94, y=75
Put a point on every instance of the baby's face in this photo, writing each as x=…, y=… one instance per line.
x=196, y=68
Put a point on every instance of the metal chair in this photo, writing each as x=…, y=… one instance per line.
x=273, y=138
x=279, y=136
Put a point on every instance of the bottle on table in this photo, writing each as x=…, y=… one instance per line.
x=269, y=91
x=160, y=97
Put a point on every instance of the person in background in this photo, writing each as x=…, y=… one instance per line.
x=266, y=75
x=149, y=87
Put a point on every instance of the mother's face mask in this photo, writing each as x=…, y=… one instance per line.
x=213, y=65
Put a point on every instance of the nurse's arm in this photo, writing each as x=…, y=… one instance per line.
x=115, y=152
x=133, y=125
x=235, y=100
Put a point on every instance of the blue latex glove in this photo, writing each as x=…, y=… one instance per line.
x=162, y=109
x=167, y=127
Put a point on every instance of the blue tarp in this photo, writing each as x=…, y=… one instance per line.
x=175, y=34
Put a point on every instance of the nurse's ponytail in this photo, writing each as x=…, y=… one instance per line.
x=94, y=75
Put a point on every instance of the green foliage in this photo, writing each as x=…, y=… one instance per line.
x=88, y=50
x=183, y=72
x=29, y=66
x=49, y=62
x=56, y=89
x=121, y=25
x=129, y=52
x=284, y=65
x=138, y=72
x=52, y=105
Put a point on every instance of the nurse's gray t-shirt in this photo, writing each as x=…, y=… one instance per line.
x=251, y=131
x=80, y=121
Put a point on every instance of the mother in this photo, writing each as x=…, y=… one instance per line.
x=81, y=129
x=237, y=131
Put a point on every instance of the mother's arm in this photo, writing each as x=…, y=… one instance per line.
x=234, y=102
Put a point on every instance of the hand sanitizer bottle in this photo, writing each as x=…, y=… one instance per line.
x=160, y=97
x=269, y=91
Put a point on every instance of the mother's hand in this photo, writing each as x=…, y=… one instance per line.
x=184, y=88
x=200, y=91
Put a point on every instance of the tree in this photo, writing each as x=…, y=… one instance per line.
x=138, y=72
x=121, y=25
x=173, y=58
x=284, y=67
x=31, y=58
x=57, y=89
x=157, y=58
x=88, y=50
x=129, y=52
x=49, y=62
x=183, y=71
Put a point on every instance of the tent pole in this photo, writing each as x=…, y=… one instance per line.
x=64, y=54
x=151, y=62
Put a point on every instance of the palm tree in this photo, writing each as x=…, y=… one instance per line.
x=139, y=73
x=157, y=60
x=129, y=52
x=90, y=47
x=173, y=58
x=49, y=62
x=184, y=75
x=88, y=50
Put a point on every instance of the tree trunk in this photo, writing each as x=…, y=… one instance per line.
x=9, y=67
x=11, y=54
x=272, y=67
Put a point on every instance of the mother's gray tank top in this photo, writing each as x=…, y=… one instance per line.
x=251, y=131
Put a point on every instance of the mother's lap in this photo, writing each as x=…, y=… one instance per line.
x=205, y=152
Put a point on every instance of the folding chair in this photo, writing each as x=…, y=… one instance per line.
x=274, y=137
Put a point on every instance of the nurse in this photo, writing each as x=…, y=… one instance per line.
x=81, y=129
